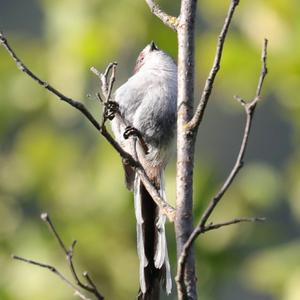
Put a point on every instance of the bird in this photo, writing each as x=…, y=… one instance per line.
x=147, y=104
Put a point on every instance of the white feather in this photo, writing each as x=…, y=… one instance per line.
x=168, y=273
x=159, y=257
x=161, y=254
x=142, y=279
x=137, y=200
x=139, y=232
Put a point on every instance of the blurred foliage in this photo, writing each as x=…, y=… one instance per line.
x=52, y=160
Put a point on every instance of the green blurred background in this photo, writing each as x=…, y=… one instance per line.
x=51, y=159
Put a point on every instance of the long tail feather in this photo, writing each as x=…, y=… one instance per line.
x=160, y=250
x=139, y=230
x=151, y=242
x=163, y=257
x=168, y=274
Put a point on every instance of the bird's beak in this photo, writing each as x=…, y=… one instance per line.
x=153, y=46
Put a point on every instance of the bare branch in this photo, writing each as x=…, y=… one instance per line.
x=264, y=70
x=106, y=85
x=198, y=116
x=69, y=256
x=89, y=280
x=168, y=20
x=166, y=208
x=76, y=104
x=56, y=272
x=45, y=217
x=89, y=287
x=234, y=221
x=201, y=227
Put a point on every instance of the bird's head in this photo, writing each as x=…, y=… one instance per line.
x=151, y=57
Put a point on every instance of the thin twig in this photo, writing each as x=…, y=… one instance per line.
x=45, y=217
x=249, y=110
x=168, y=20
x=90, y=287
x=89, y=280
x=163, y=205
x=55, y=271
x=198, y=116
x=111, y=81
x=234, y=221
x=76, y=104
x=69, y=256
x=264, y=70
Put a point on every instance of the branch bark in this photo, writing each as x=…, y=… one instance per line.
x=185, y=142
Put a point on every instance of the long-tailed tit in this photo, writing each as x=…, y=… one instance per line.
x=147, y=101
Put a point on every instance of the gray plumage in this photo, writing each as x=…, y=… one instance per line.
x=147, y=101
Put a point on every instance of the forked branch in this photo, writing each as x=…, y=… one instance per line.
x=202, y=227
x=52, y=269
x=89, y=286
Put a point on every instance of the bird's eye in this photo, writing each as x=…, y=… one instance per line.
x=141, y=58
x=139, y=62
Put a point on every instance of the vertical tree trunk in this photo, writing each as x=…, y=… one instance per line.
x=185, y=139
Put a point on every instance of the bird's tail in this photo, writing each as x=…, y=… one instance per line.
x=151, y=243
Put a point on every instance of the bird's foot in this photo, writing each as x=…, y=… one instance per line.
x=112, y=108
x=131, y=131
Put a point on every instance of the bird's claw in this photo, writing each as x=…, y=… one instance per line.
x=131, y=131
x=111, y=108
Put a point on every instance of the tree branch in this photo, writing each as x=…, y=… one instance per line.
x=234, y=221
x=201, y=227
x=168, y=20
x=76, y=104
x=89, y=286
x=199, y=113
x=185, y=142
x=55, y=271
x=167, y=209
x=69, y=256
